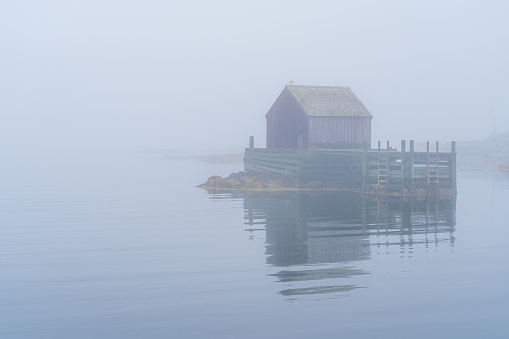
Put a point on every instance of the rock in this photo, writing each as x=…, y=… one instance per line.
x=245, y=181
x=218, y=183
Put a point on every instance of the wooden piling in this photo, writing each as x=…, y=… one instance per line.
x=364, y=168
x=437, y=166
x=388, y=167
x=427, y=162
x=403, y=167
x=251, y=142
x=378, y=161
x=453, y=167
x=411, y=161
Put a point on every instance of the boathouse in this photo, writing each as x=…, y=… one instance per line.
x=318, y=117
x=320, y=137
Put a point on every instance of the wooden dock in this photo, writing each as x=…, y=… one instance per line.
x=382, y=170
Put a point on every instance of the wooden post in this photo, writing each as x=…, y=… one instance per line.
x=300, y=144
x=403, y=166
x=378, y=164
x=411, y=164
x=438, y=165
x=388, y=167
x=364, y=168
x=251, y=142
x=427, y=162
x=453, y=167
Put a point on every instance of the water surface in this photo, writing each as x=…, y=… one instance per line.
x=124, y=246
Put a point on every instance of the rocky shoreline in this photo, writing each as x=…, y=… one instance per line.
x=243, y=181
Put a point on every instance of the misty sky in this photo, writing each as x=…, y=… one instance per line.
x=201, y=75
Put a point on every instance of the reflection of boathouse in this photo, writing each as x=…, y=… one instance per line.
x=310, y=228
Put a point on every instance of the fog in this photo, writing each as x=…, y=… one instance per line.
x=111, y=112
x=201, y=75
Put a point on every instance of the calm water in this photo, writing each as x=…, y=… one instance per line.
x=123, y=246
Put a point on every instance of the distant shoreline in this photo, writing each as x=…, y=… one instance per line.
x=230, y=158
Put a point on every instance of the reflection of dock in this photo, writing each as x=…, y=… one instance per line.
x=340, y=227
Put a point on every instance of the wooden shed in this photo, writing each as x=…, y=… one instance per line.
x=318, y=117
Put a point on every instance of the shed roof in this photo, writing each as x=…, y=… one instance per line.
x=329, y=101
